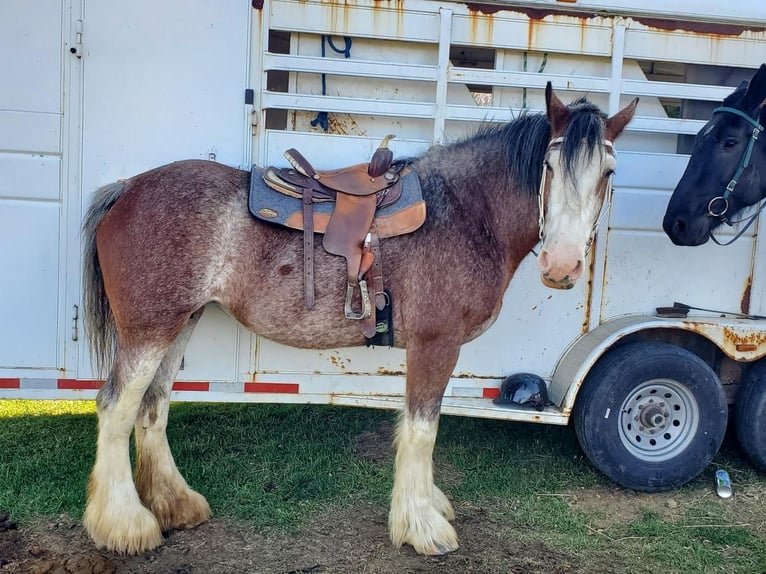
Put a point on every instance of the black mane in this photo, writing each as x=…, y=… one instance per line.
x=734, y=98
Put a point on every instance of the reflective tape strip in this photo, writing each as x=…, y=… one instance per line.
x=490, y=392
x=184, y=386
x=191, y=386
x=78, y=385
x=288, y=388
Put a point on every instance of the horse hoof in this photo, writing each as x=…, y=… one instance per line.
x=184, y=511
x=444, y=550
x=434, y=537
x=435, y=549
x=128, y=531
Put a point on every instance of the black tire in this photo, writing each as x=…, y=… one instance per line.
x=750, y=415
x=643, y=387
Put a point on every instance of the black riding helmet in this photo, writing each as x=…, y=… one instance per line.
x=524, y=390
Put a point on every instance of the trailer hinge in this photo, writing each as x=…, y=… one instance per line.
x=75, y=318
x=76, y=47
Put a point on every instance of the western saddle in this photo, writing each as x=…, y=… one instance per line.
x=354, y=207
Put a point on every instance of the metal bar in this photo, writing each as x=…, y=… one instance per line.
x=442, y=81
x=348, y=67
x=618, y=54
x=318, y=103
x=510, y=79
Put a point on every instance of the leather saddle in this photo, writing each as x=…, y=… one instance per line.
x=353, y=207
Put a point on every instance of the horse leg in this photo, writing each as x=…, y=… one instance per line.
x=160, y=485
x=419, y=510
x=114, y=516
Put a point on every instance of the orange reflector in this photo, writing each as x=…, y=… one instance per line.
x=745, y=347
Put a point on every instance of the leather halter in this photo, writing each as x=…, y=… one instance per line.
x=542, y=190
x=719, y=205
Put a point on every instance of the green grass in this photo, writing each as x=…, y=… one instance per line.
x=277, y=466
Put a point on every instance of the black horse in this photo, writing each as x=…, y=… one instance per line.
x=727, y=169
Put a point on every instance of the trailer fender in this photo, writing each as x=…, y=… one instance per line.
x=739, y=339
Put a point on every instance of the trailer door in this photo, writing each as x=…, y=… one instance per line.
x=31, y=199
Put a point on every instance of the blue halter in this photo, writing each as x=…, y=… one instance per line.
x=722, y=201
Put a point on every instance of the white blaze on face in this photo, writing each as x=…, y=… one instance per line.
x=571, y=210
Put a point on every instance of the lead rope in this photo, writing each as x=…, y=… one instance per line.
x=750, y=221
x=321, y=118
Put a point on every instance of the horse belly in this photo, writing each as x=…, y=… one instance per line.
x=265, y=290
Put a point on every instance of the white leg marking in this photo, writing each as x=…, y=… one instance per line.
x=114, y=516
x=161, y=486
x=418, y=508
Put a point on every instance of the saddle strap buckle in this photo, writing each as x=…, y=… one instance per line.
x=366, y=302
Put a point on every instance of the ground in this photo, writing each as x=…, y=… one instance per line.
x=354, y=538
x=351, y=541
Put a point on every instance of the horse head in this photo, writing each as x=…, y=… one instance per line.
x=723, y=175
x=576, y=179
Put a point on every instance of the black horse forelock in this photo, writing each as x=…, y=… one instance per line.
x=586, y=124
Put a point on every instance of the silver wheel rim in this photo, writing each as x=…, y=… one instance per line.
x=658, y=420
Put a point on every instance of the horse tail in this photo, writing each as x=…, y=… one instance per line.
x=99, y=320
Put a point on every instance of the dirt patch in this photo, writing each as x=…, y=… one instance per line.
x=608, y=507
x=352, y=540
x=375, y=445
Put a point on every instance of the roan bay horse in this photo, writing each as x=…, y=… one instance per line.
x=727, y=169
x=163, y=244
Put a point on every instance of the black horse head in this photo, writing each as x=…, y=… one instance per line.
x=727, y=169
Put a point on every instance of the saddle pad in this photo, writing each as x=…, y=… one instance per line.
x=404, y=216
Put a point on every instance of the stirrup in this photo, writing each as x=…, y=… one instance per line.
x=366, y=303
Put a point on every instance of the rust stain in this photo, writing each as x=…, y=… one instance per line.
x=531, y=29
x=482, y=25
x=473, y=376
x=707, y=28
x=390, y=373
x=744, y=302
x=532, y=13
x=733, y=338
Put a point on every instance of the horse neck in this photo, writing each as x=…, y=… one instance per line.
x=466, y=191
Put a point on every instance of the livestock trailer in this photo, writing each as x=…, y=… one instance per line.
x=92, y=92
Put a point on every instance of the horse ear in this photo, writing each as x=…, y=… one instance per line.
x=618, y=121
x=756, y=91
x=558, y=113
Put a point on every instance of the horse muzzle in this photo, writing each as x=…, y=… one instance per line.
x=687, y=231
x=562, y=267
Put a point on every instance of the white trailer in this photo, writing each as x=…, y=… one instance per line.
x=91, y=92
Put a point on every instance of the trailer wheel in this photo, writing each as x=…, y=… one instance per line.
x=749, y=415
x=651, y=416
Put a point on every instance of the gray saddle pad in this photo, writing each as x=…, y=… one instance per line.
x=270, y=205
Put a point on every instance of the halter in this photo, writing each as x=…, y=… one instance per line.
x=719, y=205
x=541, y=191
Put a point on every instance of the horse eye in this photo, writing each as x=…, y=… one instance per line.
x=729, y=143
